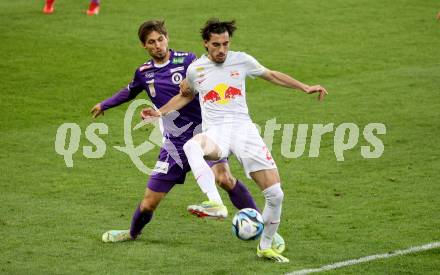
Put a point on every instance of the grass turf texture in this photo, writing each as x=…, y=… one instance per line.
x=378, y=59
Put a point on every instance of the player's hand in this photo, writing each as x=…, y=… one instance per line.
x=317, y=89
x=185, y=90
x=97, y=110
x=438, y=15
x=149, y=114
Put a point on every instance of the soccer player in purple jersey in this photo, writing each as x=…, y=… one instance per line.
x=160, y=78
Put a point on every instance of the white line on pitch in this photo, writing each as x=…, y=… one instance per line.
x=415, y=249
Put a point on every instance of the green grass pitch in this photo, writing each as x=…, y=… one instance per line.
x=379, y=60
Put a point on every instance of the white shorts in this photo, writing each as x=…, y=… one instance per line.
x=244, y=141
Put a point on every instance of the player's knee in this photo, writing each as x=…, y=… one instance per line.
x=148, y=205
x=274, y=195
x=279, y=197
x=225, y=181
x=189, y=145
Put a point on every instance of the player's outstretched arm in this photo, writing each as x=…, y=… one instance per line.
x=176, y=103
x=124, y=95
x=284, y=80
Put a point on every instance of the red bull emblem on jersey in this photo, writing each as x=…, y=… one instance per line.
x=222, y=94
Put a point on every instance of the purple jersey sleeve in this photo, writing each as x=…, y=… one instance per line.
x=189, y=59
x=124, y=95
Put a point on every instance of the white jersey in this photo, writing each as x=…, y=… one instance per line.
x=222, y=88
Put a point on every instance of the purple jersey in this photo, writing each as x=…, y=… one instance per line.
x=161, y=82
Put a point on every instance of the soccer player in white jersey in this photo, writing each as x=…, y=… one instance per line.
x=219, y=79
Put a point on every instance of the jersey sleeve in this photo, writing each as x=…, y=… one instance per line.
x=253, y=67
x=190, y=59
x=136, y=85
x=126, y=94
x=191, y=76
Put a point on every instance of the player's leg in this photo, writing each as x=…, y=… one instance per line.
x=162, y=180
x=237, y=191
x=49, y=6
x=269, y=182
x=144, y=212
x=160, y=183
x=240, y=196
x=196, y=149
x=141, y=217
x=93, y=7
x=258, y=164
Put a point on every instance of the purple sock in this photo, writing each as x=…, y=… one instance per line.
x=241, y=198
x=138, y=222
x=95, y=2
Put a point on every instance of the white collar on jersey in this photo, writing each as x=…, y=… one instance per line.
x=161, y=65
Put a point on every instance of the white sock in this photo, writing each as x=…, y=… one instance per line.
x=271, y=214
x=201, y=170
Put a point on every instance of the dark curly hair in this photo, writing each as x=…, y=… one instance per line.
x=214, y=25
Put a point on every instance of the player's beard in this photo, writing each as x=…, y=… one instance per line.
x=220, y=59
x=160, y=56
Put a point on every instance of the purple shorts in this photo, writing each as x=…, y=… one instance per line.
x=170, y=170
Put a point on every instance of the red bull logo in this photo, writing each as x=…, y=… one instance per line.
x=222, y=94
